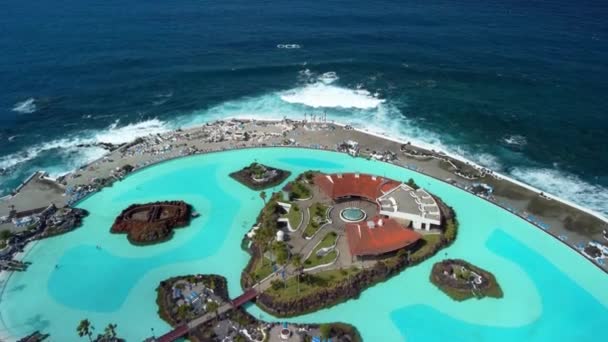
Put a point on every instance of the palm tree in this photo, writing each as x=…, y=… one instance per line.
x=85, y=329
x=263, y=196
x=297, y=264
x=110, y=331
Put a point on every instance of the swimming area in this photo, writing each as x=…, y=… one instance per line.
x=550, y=291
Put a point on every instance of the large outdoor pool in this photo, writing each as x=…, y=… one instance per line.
x=551, y=292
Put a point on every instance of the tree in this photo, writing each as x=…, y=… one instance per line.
x=297, y=264
x=412, y=184
x=325, y=330
x=85, y=329
x=110, y=331
x=263, y=196
x=5, y=234
x=276, y=284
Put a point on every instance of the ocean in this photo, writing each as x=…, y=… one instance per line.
x=518, y=86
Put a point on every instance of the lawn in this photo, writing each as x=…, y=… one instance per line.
x=262, y=269
x=299, y=191
x=318, y=217
x=328, y=240
x=315, y=260
x=321, y=280
x=430, y=241
x=294, y=216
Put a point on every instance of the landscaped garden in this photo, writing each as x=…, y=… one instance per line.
x=318, y=257
x=307, y=284
x=294, y=216
x=298, y=191
x=318, y=217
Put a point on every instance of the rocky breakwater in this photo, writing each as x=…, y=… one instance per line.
x=152, y=222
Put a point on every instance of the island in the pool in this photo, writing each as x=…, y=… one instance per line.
x=257, y=176
x=461, y=280
x=152, y=223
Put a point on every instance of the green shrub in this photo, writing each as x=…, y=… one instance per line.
x=5, y=234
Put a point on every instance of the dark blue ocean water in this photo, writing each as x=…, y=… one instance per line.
x=519, y=86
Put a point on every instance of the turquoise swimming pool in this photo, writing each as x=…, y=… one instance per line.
x=550, y=291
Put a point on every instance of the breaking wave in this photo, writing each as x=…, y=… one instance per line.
x=322, y=95
x=566, y=186
x=119, y=135
x=82, y=148
x=25, y=107
x=317, y=94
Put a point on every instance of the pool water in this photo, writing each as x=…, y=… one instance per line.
x=352, y=215
x=550, y=292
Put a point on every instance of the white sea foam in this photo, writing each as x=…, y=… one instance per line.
x=25, y=107
x=356, y=107
x=118, y=135
x=515, y=140
x=321, y=95
x=162, y=98
x=566, y=186
x=13, y=137
x=386, y=120
x=328, y=77
x=114, y=134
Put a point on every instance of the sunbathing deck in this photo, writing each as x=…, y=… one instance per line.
x=573, y=225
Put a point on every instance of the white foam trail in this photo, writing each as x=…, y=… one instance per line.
x=25, y=107
x=321, y=95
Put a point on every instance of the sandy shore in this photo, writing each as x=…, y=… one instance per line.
x=572, y=224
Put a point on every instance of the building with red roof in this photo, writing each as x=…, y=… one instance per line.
x=399, y=206
x=378, y=236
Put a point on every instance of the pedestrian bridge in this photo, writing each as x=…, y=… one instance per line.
x=182, y=330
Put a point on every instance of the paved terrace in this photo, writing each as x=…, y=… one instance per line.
x=549, y=214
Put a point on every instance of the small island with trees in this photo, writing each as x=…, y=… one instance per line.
x=460, y=280
x=152, y=223
x=257, y=176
